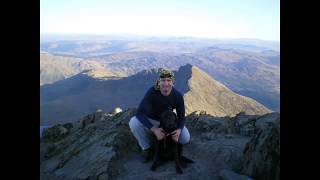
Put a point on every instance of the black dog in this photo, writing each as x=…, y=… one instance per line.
x=167, y=149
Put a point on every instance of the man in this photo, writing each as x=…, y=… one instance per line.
x=161, y=97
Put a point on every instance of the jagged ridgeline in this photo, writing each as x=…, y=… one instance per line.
x=249, y=70
x=76, y=96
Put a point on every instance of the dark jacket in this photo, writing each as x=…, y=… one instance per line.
x=154, y=103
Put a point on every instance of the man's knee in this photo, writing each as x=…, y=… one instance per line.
x=139, y=132
x=134, y=123
x=184, y=136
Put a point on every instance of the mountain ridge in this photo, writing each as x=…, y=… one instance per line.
x=80, y=94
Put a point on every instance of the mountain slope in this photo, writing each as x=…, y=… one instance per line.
x=256, y=75
x=215, y=98
x=54, y=68
x=250, y=67
x=71, y=98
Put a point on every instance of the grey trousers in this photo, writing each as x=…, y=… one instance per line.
x=143, y=134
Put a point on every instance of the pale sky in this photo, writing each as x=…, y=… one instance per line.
x=259, y=19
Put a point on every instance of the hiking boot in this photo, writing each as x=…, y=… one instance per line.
x=147, y=155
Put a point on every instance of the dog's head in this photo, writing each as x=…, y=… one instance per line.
x=169, y=121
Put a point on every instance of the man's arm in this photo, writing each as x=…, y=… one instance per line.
x=145, y=108
x=181, y=112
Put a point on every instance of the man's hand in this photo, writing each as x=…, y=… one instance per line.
x=176, y=134
x=158, y=132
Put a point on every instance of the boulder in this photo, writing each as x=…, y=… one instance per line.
x=262, y=152
x=207, y=123
x=116, y=111
x=54, y=133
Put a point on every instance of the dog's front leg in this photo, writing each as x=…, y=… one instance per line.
x=156, y=156
x=177, y=159
x=183, y=164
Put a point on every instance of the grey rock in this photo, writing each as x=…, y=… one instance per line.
x=243, y=118
x=68, y=125
x=116, y=110
x=226, y=174
x=87, y=153
x=54, y=133
x=245, y=124
x=91, y=118
x=106, y=149
x=262, y=153
x=207, y=123
x=267, y=120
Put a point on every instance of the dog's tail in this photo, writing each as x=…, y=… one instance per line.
x=185, y=159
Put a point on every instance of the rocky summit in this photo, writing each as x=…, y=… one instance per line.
x=100, y=145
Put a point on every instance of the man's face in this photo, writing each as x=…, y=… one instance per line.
x=165, y=86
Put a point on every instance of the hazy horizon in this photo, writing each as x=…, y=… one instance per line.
x=208, y=19
x=128, y=35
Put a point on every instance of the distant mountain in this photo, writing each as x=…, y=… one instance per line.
x=54, y=68
x=89, y=46
x=249, y=67
x=69, y=99
x=256, y=75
